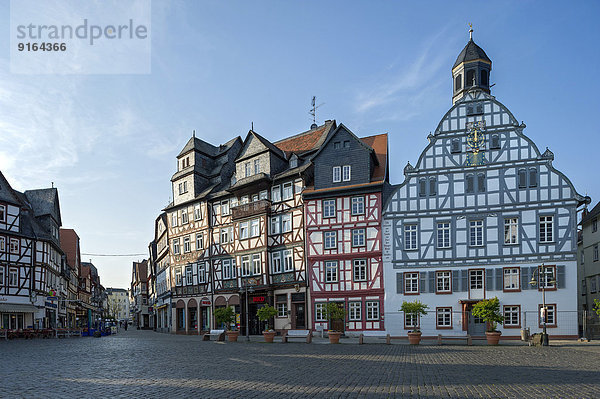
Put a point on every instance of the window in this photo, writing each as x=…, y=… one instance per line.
x=346, y=144
x=186, y=245
x=432, y=186
x=337, y=174
x=358, y=237
x=246, y=266
x=337, y=145
x=329, y=238
x=263, y=195
x=197, y=213
x=532, y=177
x=372, y=310
x=201, y=273
x=281, y=309
x=178, y=277
x=274, y=225
x=227, y=269
x=288, y=264
x=224, y=236
x=470, y=78
x=410, y=237
x=511, y=278
x=331, y=271
x=469, y=184
x=287, y=191
x=512, y=316
x=443, y=235
x=495, y=142
x=276, y=262
x=549, y=314
x=2, y=277
x=354, y=311
x=411, y=320
x=254, y=228
x=13, y=277
x=455, y=146
x=243, y=230
x=286, y=222
x=176, y=247
x=358, y=205
x=593, y=285
x=443, y=317
x=293, y=162
x=256, y=264
x=174, y=219
x=14, y=245
x=458, y=82
x=522, y=178
x=511, y=229
x=189, y=277
x=244, y=200
x=346, y=173
x=476, y=233
x=248, y=169
x=2, y=245
x=199, y=241
x=320, y=312
x=2, y=213
x=594, y=224
x=475, y=279
x=276, y=194
x=225, y=207
x=422, y=187
x=328, y=208
x=547, y=277
x=359, y=269
x=411, y=283
x=546, y=229
x=184, y=217
x=481, y=182
x=595, y=254
x=443, y=283
x=256, y=166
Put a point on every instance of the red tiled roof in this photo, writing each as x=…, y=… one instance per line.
x=379, y=144
x=304, y=141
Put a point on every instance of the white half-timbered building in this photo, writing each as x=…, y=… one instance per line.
x=481, y=213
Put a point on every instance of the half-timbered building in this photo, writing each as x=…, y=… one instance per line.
x=343, y=230
x=481, y=213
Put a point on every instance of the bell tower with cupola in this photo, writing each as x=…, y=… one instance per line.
x=471, y=70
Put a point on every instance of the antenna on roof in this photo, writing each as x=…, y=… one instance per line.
x=313, y=111
x=252, y=126
x=470, y=31
x=52, y=184
x=194, y=133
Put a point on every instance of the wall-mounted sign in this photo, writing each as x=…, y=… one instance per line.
x=205, y=302
x=51, y=305
x=258, y=299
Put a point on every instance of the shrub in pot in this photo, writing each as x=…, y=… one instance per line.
x=266, y=313
x=224, y=317
x=334, y=312
x=416, y=309
x=489, y=311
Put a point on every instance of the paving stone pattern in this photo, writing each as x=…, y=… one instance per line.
x=145, y=364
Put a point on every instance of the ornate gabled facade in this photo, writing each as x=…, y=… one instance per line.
x=481, y=213
x=161, y=284
x=343, y=230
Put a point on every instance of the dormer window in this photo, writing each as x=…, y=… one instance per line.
x=346, y=144
x=294, y=162
x=337, y=145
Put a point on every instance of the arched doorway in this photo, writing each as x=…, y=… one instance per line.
x=192, y=310
x=180, y=316
x=220, y=302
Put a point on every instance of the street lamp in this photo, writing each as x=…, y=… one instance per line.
x=247, y=289
x=544, y=311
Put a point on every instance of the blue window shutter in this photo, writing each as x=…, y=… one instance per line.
x=422, y=282
x=560, y=276
x=431, y=281
x=525, y=278
x=399, y=283
x=499, y=279
x=489, y=279
x=455, y=287
x=464, y=274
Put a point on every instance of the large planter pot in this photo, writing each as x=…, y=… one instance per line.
x=269, y=336
x=414, y=338
x=334, y=337
x=493, y=337
x=232, y=336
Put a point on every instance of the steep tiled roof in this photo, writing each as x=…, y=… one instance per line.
x=379, y=144
x=44, y=202
x=306, y=141
x=7, y=194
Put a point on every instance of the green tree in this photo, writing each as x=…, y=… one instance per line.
x=415, y=308
x=224, y=316
x=489, y=311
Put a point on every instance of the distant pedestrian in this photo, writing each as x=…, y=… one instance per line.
x=125, y=325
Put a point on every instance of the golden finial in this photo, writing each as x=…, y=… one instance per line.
x=470, y=31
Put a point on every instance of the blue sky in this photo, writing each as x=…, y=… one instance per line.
x=109, y=141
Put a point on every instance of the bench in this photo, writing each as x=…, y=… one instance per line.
x=441, y=338
x=220, y=334
x=374, y=334
x=305, y=334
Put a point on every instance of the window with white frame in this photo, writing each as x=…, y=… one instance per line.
x=511, y=231
x=337, y=174
x=276, y=262
x=176, y=247
x=286, y=222
x=549, y=313
x=476, y=233
x=411, y=283
x=329, y=238
x=346, y=172
x=443, y=317
x=410, y=237
x=247, y=169
x=227, y=269
x=174, y=219
x=331, y=271
x=256, y=264
x=358, y=205
x=276, y=194
x=13, y=277
x=197, y=212
x=263, y=195
x=288, y=261
x=282, y=309
x=186, y=244
x=595, y=253
x=199, y=241
x=246, y=266
x=2, y=276
x=358, y=237
x=2, y=245
x=178, y=276
x=512, y=316
x=275, y=225
x=546, y=229
x=329, y=208
x=201, y=273
x=184, y=217
x=224, y=236
x=225, y=207
x=256, y=166
x=359, y=269
x=254, y=228
x=443, y=283
x=244, y=200
x=547, y=278
x=411, y=320
x=243, y=230
x=189, y=277
x=372, y=310
x=594, y=223
x=511, y=278
x=287, y=191
x=354, y=311
x=320, y=313
x=443, y=234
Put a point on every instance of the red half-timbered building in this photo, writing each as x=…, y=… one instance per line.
x=343, y=230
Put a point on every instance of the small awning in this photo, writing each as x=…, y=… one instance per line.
x=162, y=306
x=17, y=308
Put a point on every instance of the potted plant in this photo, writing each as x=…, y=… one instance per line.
x=489, y=311
x=416, y=309
x=266, y=313
x=334, y=312
x=224, y=316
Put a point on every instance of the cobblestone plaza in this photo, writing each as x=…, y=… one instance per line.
x=148, y=364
